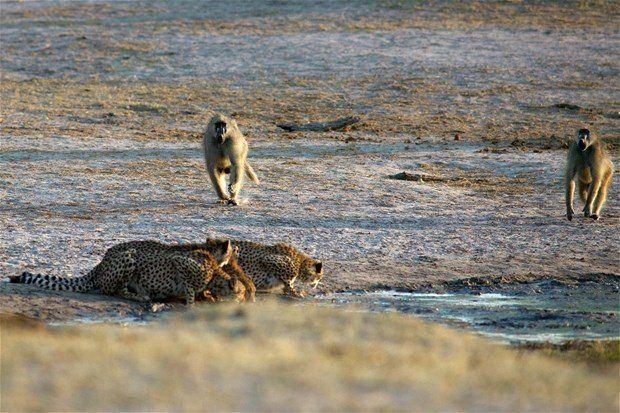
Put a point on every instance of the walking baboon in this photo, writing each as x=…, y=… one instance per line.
x=226, y=151
x=588, y=164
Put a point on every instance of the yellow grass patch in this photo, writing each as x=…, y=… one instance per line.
x=275, y=356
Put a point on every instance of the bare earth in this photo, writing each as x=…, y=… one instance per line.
x=102, y=105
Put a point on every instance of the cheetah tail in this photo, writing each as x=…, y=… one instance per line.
x=250, y=173
x=53, y=282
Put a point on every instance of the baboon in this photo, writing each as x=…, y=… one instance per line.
x=588, y=164
x=226, y=151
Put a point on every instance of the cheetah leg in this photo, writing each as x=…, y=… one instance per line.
x=282, y=268
x=131, y=295
x=115, y=271
x=133, y=290
x=190, y=295
x=207, y=296
x=290, y=290
x=192, y=277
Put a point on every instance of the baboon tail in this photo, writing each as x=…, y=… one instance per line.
x=53, y=282
x=251, y=174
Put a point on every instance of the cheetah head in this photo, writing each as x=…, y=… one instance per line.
x=311, y=272
x=223, y=251
x=224, y=287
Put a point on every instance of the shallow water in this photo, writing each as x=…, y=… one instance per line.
x=542, y=311
x=86, y=320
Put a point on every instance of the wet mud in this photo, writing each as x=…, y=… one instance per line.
x=545, y=310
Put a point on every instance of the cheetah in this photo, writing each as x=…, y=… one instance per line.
x=269, y=266
x=147, y=248
x=235, y=271
x=275, y=266
x=144, y=274
x=229, y=281
x=164, y=276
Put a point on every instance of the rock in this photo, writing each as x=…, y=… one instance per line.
x=567, y=106
x=406, y=176
x=417, y=177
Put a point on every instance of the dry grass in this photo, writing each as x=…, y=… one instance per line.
x=123, y=40
x=598, y=353
x=276, y=356
x=172, y=112
x=266, y=18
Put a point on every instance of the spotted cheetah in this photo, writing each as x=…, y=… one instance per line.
x=229, y=282
x=172, y=275
x=276, y=266
x=147, y=248
x=143, y=274
x=269, y=266
x=235, y=271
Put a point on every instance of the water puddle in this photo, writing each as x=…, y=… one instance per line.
x=516, y=314
x=156, y=311
x=87, y=320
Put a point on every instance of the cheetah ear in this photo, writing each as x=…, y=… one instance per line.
x=318, y=267
x=227, y=252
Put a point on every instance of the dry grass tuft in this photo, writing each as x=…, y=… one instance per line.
x=595, y=352
x=276, y=356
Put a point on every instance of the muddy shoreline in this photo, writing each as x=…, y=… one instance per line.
x=556, y=325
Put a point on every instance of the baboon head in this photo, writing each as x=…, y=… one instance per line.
x=220, y=127
x=311, y=271
x=584, y=139
x=220, y=131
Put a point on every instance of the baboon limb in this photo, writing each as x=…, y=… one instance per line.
x=226, y=150
x=589, y=164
